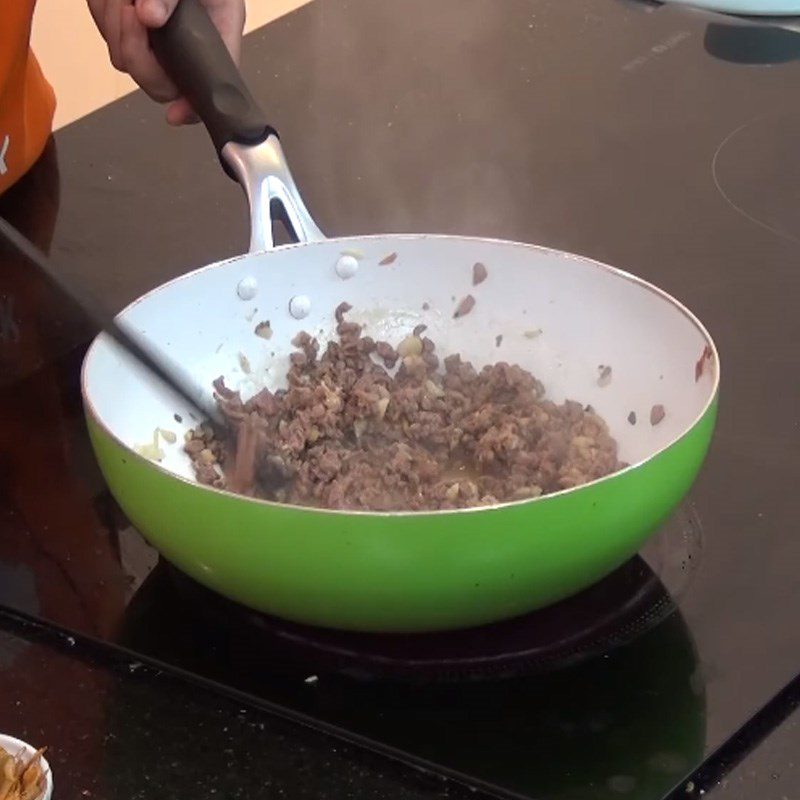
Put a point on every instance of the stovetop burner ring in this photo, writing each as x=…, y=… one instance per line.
x=616, y=610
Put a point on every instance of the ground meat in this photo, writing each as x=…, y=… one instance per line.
x=347, y=433
x=479, y=273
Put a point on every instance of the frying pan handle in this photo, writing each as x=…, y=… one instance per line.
x=193, y=54
x=271, y=192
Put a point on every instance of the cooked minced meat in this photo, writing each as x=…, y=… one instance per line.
x=349, y=434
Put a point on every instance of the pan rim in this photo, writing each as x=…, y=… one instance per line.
x=91, y=411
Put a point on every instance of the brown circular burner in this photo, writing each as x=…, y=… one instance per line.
x=757, y=172
x=630, y=601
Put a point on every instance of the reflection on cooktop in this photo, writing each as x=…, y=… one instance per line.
x=615, y=611
x=549, y=704
x=557, y=733
x=757, y=172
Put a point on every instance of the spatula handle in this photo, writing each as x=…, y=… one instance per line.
x=193, y=54
x=151, y=358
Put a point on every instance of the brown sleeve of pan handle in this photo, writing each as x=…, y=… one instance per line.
x=193, y=54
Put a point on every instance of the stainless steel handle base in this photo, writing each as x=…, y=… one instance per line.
x=262, y=171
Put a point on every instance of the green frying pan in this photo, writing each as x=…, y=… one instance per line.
x=561, y=316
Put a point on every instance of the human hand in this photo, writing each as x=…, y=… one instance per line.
x=124, y=24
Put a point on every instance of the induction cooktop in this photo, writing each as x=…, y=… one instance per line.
x=621, y=130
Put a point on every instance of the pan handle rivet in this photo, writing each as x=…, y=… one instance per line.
x=346, y=266
x=299, y=306
x=247, y=288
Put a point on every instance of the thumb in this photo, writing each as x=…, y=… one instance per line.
x=154, y=13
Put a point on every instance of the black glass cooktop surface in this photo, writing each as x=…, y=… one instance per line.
x=651, y=137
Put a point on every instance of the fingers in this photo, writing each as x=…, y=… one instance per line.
x=154, y=13
x=136, y=58
x=111, y=26
x=227, y=15
x=124, y=25
x=96, y=10
x=180, y=112
x=129, y=48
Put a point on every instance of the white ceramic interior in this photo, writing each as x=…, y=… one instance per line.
x=589, y=315
x=16, y=746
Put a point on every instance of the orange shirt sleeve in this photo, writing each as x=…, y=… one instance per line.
x=27, y=101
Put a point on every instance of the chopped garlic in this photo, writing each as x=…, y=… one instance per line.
x=410, y=346
x=151, y=450
x=434, y=389
x=168, y=436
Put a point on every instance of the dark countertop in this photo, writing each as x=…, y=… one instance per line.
x=607, y=128
x=117, y=728
x=770, y=772
x=760, y=761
